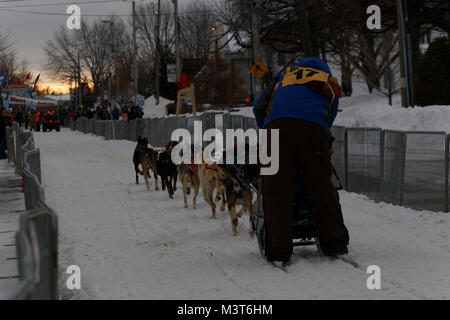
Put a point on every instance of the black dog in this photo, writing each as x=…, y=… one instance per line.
x=142, y=144
x=245, y=172
x=167, y=170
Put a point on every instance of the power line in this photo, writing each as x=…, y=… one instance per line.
x=101, y=15
x=59, y=3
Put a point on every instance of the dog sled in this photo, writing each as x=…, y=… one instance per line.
x=304, y=228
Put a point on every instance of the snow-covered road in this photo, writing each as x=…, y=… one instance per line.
x=135, y=243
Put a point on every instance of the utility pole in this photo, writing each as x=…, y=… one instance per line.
x=406, y=73
x=135, y=67
x=117, y=79
x=177, y=40
x=109, y=48
x=157, y=59
x=256, y=44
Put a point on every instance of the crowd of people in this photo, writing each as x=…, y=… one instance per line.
x=35, y=120
x=6, y=119
x=129, y=111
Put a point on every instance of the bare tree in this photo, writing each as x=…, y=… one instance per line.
x=61, y=52
x=146, y=30
x=197, y=19
x=14, y=69
x=91, y=43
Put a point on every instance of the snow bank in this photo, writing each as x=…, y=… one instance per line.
x=374, y=111
x=152, y=110
x=359, y=110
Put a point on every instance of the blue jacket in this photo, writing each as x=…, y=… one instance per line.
x=300, y=101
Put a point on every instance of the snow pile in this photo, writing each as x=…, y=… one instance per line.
x=131, y=242
x=152, y=110
x=374, y=111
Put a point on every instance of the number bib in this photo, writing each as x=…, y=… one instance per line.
x=300, y=75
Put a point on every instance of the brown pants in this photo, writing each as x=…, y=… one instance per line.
x=303, y=145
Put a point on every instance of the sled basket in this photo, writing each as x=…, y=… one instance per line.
x=304, y=229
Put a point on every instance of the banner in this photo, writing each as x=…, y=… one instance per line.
x=22, y=100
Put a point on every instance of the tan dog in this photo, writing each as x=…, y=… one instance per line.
x=237, y=193
x=210, y=180
x=148, y=159
x=189, y=180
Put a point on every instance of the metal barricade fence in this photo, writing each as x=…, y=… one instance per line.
x=394, y=166
x=109, y=129
x=37, y=237
x=100, y=128
x=122, y=126
x=208, y=120
x=84, y=124
x=425, y=180
x=78, y=124
x=132, y=132
x=145, y=126
x=365, y=161
x=249, y=123
x=139, y=129
x=227, y=122
x=18, y=142
x=237, y=122
x=90, y=123
x=162, y=133
x=402, y=168
x=9, y=143
x=152, y=131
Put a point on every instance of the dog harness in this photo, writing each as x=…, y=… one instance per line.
x=207, y=167
x=140, y=148
x=190, y=166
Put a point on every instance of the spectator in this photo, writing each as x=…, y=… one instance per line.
x=26, y=119
x=2, y=134
x=134, y=111
x=18, y=117
x=32, y=120
x=116, y=113
x=9, y=117
x=89, y=114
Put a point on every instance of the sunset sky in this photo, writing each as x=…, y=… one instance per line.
x=31, y=23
